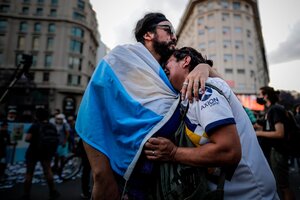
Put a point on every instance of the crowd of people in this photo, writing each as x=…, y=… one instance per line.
x=128, y=116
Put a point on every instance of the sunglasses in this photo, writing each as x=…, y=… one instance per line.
x=169, y=29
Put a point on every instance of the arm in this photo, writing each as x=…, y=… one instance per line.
x=105, y=185
x=28, y=137
x=224, y=149
x=199, y=74
x=278, y=133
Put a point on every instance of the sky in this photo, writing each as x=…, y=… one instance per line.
x=280, y=22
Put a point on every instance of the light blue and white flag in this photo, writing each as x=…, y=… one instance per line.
x=128, y=99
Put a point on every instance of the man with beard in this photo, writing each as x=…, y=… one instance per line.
x=128, y=100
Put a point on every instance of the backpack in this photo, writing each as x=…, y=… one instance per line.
x=292, y=136
x=179, y=181
x=48, y=139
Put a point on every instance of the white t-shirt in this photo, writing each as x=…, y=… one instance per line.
x=252, y=179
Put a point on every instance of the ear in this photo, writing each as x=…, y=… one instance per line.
x=149, y=36
x=187, y=61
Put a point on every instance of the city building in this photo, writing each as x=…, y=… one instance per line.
x=229, y=33
x=63, y=38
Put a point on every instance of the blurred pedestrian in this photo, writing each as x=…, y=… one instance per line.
x=4, y=142
x=250, y=115
x=297, y=113
x=271, y=137
x=63, y=148
x=42, y=152
x=12, y=115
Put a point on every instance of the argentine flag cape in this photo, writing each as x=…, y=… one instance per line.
x=127, y=100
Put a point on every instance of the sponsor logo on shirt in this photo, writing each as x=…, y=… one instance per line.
x=206, y=97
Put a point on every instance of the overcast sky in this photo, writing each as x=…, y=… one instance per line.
x=280, y=26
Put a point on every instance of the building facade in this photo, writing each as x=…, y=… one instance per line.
x=63, y=38
x=229, y=33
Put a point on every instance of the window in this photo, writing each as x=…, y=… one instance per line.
x=39, y=11
x=3, y=25
x=80, y=4
x=226, y=30
x=18, y=58
x=227, y=57
x=251, y=60
x=238, y=29
x=1, y=58
x=225, y=16
x=46, y=76
x=4, y=8
x=200, y=21
x=226, y=44
x=210, y=17
x=51, y=28
x=76, y=46
x=40, y=1
x=74, y=80
x=25, y=10
x=210, y=5
x=241, y=71
x=50, y=42
x=26, y=1
x=54, y=2
x=237, y=17
x=75, y=63
x=228, y=71
x=35, y=43
x=248, y=33
x=250, y=45
x=238, y=44
x=48, y=60
x=78, y=16
x=2, y=41
x=240, y=58
x=77, y=32
x=211, y=43
x=21, y=42
x=211, y=29
x=23, y=27
x=224, y=3
x=37, y=27
x=202, y=45
x=247, y=7
x=212, y=57
x=53, y=12
x=34, y=60
x=201, y=32
x=236, y=5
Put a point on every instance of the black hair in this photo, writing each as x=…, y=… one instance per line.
x=273, y=95
x=42, y=114
x=196, y=57
x=147, y=23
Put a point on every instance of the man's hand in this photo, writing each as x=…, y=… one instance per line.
x=160, y=149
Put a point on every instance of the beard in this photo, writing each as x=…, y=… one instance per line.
x=164, y=49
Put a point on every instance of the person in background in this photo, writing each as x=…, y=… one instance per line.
x=63, y=148
x=77, y=145
x=250, y=115
x=297, y=113
x=4, y=142
x=34, y=154
x=223, y=136
x=11, y=115
x=271, y=135
x=72, y=133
